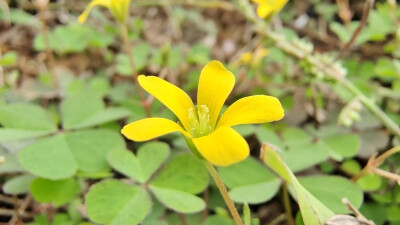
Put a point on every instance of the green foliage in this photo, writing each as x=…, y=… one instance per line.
x=112, y=202
x=73, y=38
x=250, y=182
x=15, y=116
x=9, y=59
x=84, y=150
x=149, y=159
x=18, y=16
x=183, y=173
x=321, y=188
x=313, y=211
x=140, y=57
x=93, y=113
x=18, y=185
x=57, y=192
x=61, y=144
x=178, y=200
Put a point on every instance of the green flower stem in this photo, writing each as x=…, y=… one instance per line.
x=128, y=48
x=286, y=203
x=224, y=193
x=320, y=65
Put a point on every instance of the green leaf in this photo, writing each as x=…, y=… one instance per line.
x=321, y=187
x=90, y=147
x=183, y=173
x=370, y=182
x=10, y=58
x=255, y=193
x=344, y=145
x=345, y=34
x=351, y=167
x=175, y=57
x=303, y=150
x=7, y=134
x=140, y=57
x=113, y=202
x=150, y=156
x=250, y=181
x=105, y=116
x=267, y=135
x=11, y=164
x=125, y=162
x=245, y=129
x=295, y=136
x=49, y=157
x=375, y=212
x=78, y=108
x=154, y=222
x=199, y=54
x=19, y=16
x=178, y=200
x=123, y=65
x=25, y=116
x=18, y=185
x=302, y=156
x=393, y=213
x=87, y=110
x=249, y=171
x=99, y=85
x=386, y=69
x=218, y=220
x=60, y=156
x=312, y=210
x=72, y=38
x=58, y=192
x=40, y=220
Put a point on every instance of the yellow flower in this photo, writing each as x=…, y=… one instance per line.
x=202, y=126
x=268, y=8
x=119, y=9
x=253, y=59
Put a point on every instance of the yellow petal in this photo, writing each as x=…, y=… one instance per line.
x=120, y=9
x=264, y=10
x=279, y=4
x=222, y=147
x=215, y=84
x=253, y=109
x=82, y=18
x=147, y=129
x=170, y=95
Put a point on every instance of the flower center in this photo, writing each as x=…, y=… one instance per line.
x=199, y=119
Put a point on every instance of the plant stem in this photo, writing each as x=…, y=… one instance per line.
x=286, y=203
x=386, y=154
x=224, y=193
x=182, y=218
x=374, y=161
x=128, y=48
x=386, y=174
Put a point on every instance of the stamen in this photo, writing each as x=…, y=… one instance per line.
x=199, y=119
